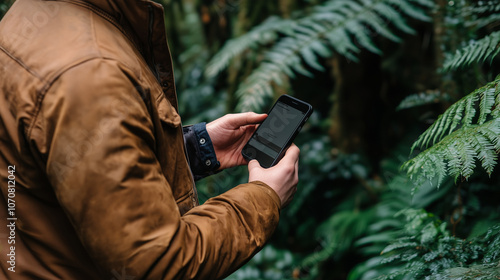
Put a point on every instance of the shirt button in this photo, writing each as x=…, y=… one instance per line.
x=208, y=162
x=203, y=141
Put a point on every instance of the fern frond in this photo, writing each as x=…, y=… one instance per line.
x=470, y=110
x=426, y=166
x=487, y=102
x=411, y=8
x=485, y=21
x=280, y=62
x=496, y=109
x=486, y=152
x=335, y=25
x=422, y=98
x=337, y=234
x=463, y=113
x=457, y=153
x=445, y=257
x=487, y=6
x=476, y=272
x=483, y=14
x=263, y=34
x=458, y=150
x=475, y=52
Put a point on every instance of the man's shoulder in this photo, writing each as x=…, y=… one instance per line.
x=46, y=38
x=41, y=41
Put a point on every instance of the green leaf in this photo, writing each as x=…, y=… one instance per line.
x=475, y=52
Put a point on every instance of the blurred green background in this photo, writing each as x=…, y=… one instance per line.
x=398, y=176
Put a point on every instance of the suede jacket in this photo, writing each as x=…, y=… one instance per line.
x=94, y=178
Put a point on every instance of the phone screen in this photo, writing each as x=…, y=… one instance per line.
x=274, y=133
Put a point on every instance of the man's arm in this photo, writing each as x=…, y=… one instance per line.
x=113, y=190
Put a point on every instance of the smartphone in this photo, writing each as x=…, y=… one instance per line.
x=272, y=138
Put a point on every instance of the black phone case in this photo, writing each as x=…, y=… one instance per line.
x=290, y=141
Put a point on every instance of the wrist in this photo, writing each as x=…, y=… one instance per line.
x=270, y=191
x=206, y=147
x=200, y=151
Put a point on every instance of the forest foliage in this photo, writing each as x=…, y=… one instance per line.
x=398, y=167
x=360, y=214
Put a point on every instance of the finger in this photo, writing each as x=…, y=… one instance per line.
x=250, y=128
x=289, y=160
x=297, y=166
x=247, y=131
x=255, y=118
x=243, y=119
x=291, y=155
x=296, y=177
x=253, y=164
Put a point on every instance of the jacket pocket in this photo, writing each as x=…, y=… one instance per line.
x=167, y=113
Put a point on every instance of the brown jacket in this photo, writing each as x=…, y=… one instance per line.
x=93, y=174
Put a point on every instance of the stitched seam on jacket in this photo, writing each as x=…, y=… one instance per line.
x=94, y=36
x=112, y=20
x=46, y=87
x=48, y=84
x=21, y=63
x=183, y=197
x=41, y=94
x=104, y=15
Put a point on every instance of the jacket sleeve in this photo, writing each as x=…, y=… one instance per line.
x=102, y=166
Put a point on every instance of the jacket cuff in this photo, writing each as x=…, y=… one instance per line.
x=200, y=150
x=272, y=193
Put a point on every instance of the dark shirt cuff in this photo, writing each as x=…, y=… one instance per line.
x=201, y=153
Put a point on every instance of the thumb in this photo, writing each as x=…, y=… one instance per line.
x=254, y=171
x=253, y=164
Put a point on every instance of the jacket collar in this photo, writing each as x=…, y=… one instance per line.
x=135, y=16
x=142, y=21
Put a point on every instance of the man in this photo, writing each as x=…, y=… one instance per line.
x=95, y=182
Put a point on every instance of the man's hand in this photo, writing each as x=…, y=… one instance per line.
x=282, y=178
x=230, y=133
